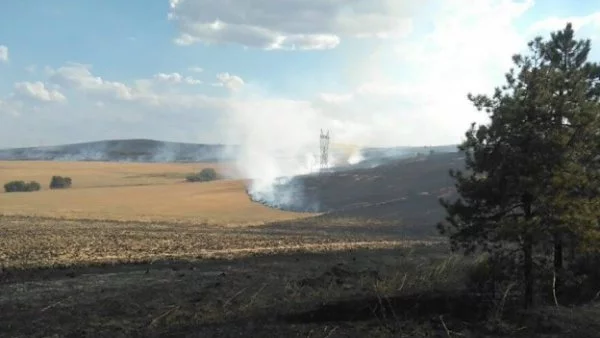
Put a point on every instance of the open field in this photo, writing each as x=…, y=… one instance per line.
x=315, y=277
x=134, y=192
x=100, y=174
x=133, y=251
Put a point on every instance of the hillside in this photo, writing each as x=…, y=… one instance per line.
x=145, y=150
x=403, y=190
x=132, y=150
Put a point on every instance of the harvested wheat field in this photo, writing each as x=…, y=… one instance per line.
x=133, y=192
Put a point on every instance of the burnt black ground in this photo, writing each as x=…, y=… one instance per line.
x=408, y=188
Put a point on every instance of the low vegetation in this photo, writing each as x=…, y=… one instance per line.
x=59, y=182
x=205, y=175
x=21, y=186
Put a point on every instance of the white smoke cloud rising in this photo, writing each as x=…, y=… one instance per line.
x=356, y=157
x=277, y=140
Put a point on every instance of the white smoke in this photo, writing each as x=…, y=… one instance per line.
x=278, y=139
x=356, y=157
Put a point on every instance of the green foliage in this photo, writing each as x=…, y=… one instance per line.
x=533, y=172
x=59, y=182
x=205, y=175
x=21, y=186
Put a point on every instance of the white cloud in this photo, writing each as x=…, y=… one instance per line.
x=176, y=78
x=196, y=69
x=231, y=82
x=334, y=98
x=190, y=80
x=169, y=78
x=145, y=93
x=3, y=53
x=79, y=76
x=295, y=24
x=38, y=91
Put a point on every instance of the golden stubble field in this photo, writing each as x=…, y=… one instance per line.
x=133, y=192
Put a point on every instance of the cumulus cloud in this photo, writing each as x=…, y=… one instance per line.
x=3, y=53
x=231, y=82
x=176, y=78
x=169, y=78
x=79, y=76
x=296, y=24
x=147, y=93
x=38, y=91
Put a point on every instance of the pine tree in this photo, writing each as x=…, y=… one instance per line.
x=575, y=108
x=532, y=172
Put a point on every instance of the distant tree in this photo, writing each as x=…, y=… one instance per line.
x=59, y=182
x=532, y=172
x=206, y=174
x=21, y=186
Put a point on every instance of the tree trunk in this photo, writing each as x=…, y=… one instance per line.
x=528, y=253
x=528, y=270
x=558, y=262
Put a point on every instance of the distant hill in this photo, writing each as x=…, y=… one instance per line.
x=145, y=150
x=132, y=150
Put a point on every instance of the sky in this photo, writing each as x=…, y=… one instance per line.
x=265, y=72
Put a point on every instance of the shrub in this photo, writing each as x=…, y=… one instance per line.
x=21, y=186
x=491, y=273
x=207, y=174
x=59, y=182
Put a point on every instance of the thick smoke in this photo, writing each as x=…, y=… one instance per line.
x=278, y=140
x=279, y=147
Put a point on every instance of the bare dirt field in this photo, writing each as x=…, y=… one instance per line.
x=132, y=192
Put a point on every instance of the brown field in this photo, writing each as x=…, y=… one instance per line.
x=134, y=192
x=100, y=174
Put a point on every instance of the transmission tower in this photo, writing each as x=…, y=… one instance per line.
x=324, y=149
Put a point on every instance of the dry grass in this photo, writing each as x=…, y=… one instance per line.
x=133, y=192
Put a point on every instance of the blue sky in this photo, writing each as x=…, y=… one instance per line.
x=376, y=72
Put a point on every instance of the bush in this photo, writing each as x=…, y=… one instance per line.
x=59, y=182
x=207, y=174
x=491, y=273
x=21, y=186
